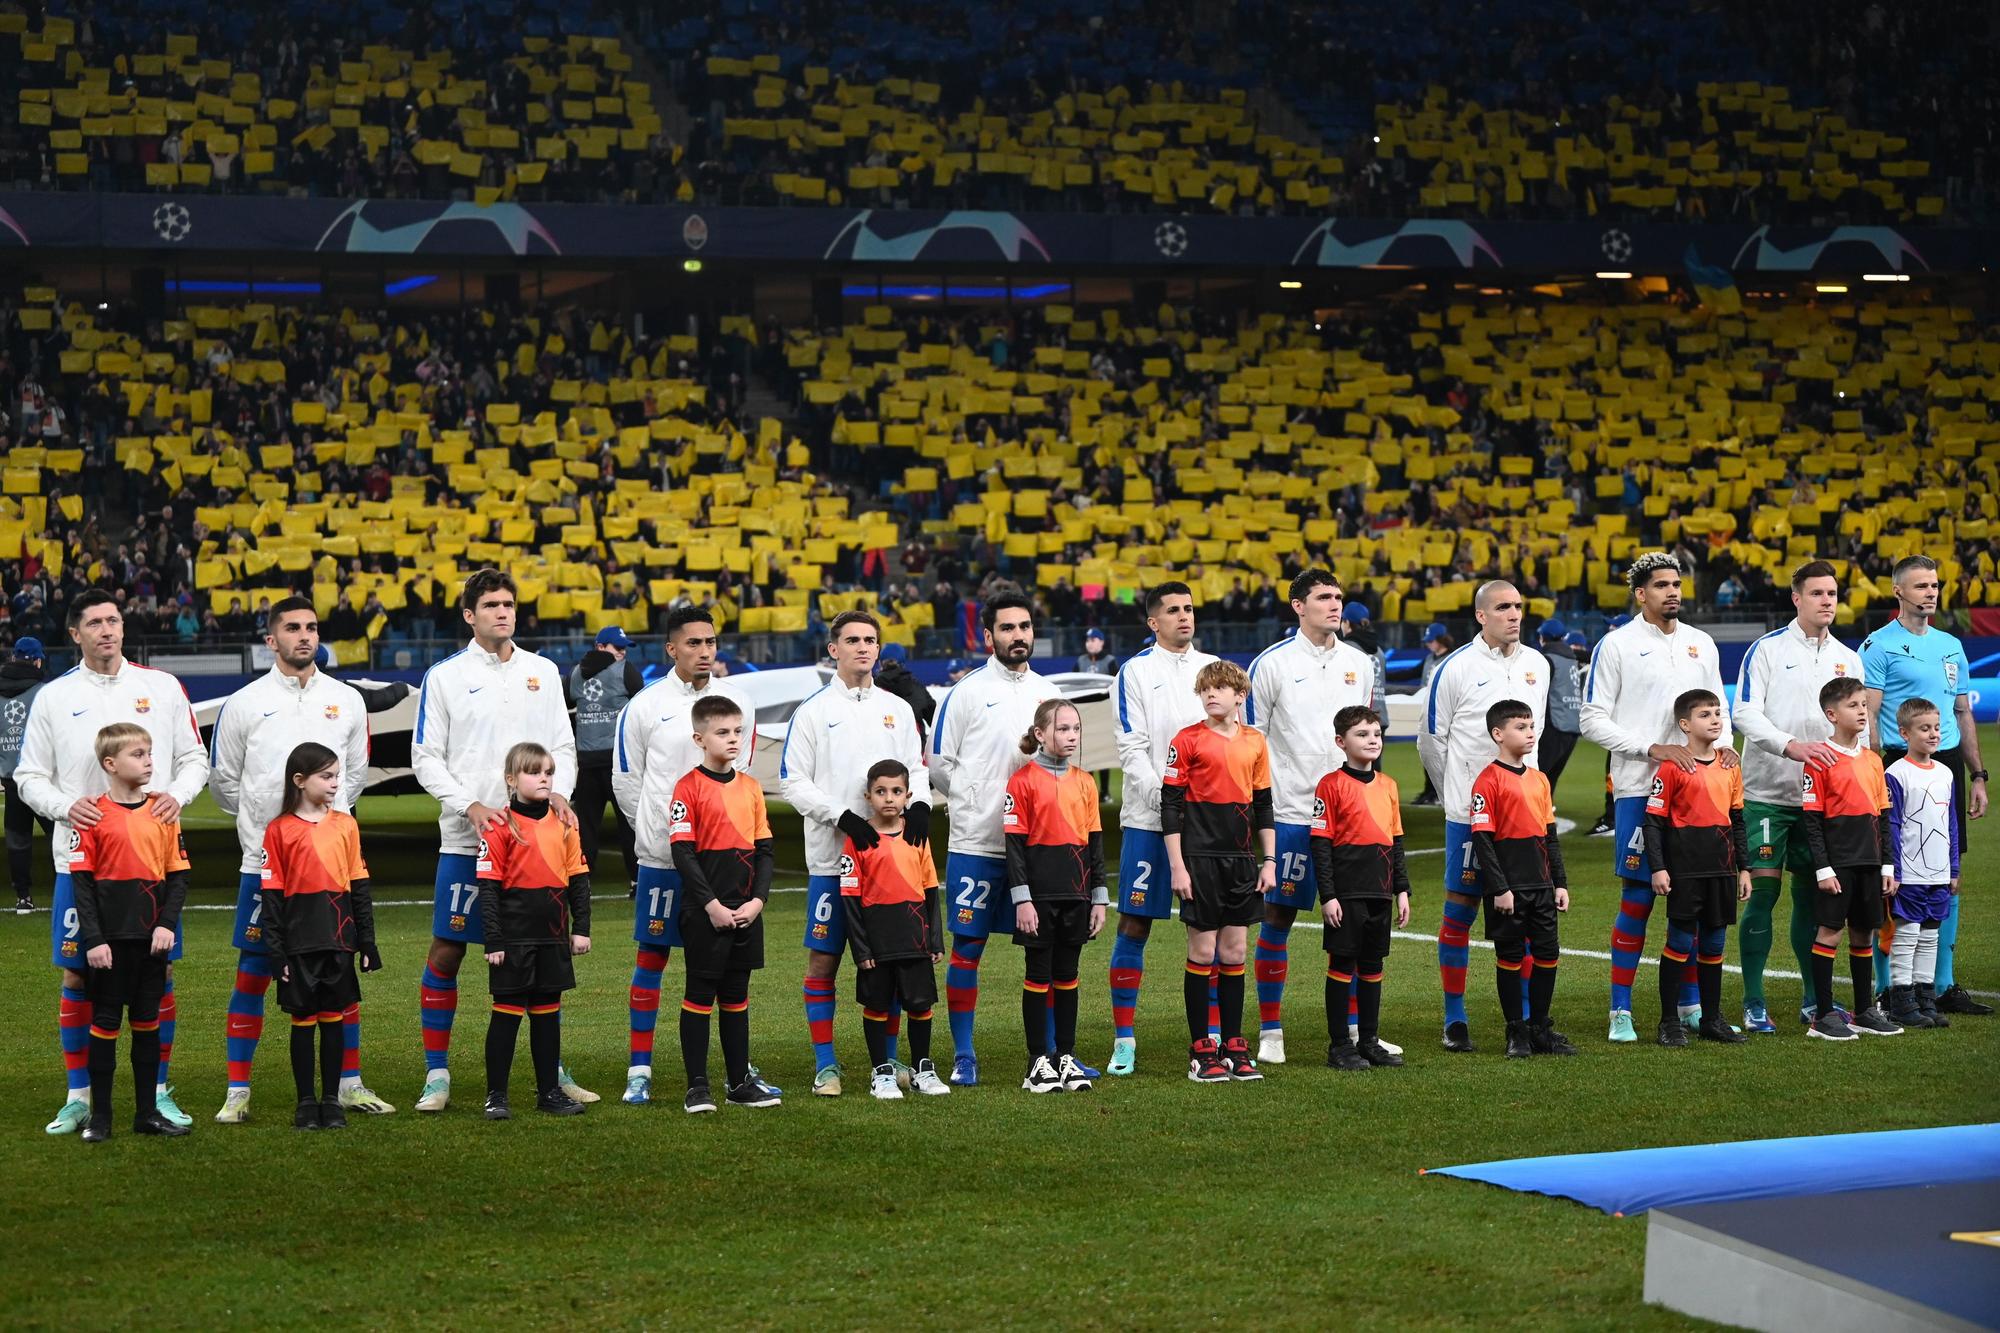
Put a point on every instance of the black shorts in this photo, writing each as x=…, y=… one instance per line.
x=911, y=980
x=1225, y=893
x=1065, y=921
x=531, y=969
x=1363, y=931
x=1858, y=905
x=1533, y=918
x=708, y=952
x=1708, y=900
x=137, y=978
x=321, y=982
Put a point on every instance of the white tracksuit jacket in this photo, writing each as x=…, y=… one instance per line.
x=1155, y=699
x=1636, y=673
x=257, y=730
x=655, y=748
x=976, y=746
x=471, y=710
x=1295, y=689
x=58, y=765
x=1777, y=702
x=833, y=739
x=1454, y=742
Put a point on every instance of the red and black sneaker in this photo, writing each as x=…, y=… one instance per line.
x=1205, y=1062
x=1236, y=1056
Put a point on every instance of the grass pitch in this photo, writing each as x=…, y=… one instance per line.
x=1150, y=1202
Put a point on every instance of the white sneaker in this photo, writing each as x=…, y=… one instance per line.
x=235, y=1107
x=571, y=1089
x=882, y=1084
x=356, y=1096
x=1072, y=1075
x=926, y=1081
x=1380, y=1040
x=437, y=1091
x=1271, y=1046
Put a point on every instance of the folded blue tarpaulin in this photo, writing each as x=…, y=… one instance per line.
x=1622, y=1183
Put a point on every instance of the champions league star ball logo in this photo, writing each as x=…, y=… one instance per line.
x=17, y=712
x=847, y=867
x=593, y=689
x=172, y=223
x=1170, y=239
x=1615, y=245
x=1659, y=786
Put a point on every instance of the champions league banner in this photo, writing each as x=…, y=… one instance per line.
x=208, y=224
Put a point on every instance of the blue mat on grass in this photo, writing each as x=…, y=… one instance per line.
x=1622, y=1183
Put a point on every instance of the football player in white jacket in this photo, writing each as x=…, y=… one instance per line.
x=975, y=747
x=1296, y=687
x=60, y=779
x=1777, y=710
x=1155, y=699
x=255, y=733
x=473, y=707
x=1636, y=673
x=654, y=749
x=831, y=742
x=1455, y=746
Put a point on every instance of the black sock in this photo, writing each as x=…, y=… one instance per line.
x=545, y=1047
x=918, y=1030
x=1339, y=975
x=1671, y=974
x=1822, y=972
x=1861, y=969
x=734, y=1027
x=694, y=1044
x=1507, y=980
x=501, y=1030
x=332, y=1047
x=1541, y=990
x=103, y=1070
x=1711, y=991
x=145, y=1071
x=875, y=1031
x=302, y=1060
x=1066, y=1018
x=1229, y=999
x=1368, y=997
x=1194, y=991
x=1035, y=1017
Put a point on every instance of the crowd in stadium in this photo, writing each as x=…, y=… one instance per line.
x=1114, y=107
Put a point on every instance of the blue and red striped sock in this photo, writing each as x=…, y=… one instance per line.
x=1628, y=941
x=350, y=1044
x=643, y=1005
x=961, y=989
x=1272, y=965
x=169, y=1013
x=892, y=1028
x=73, y=1029
x=244, y=1026
x=1128, y=969
x=1454, y=951
x=1527, y=982
x=1214, y=1000
x=439, y=998
x=819, y=1020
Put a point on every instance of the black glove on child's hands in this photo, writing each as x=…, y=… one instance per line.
x=371, y=958
x=917, y=824
x=860, y=830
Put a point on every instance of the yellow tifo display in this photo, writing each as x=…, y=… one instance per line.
x=1643, y=388
x=1740, y=136
x=582, y=105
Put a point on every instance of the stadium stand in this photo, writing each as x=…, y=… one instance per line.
x=370, y=459
x=485, y=101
